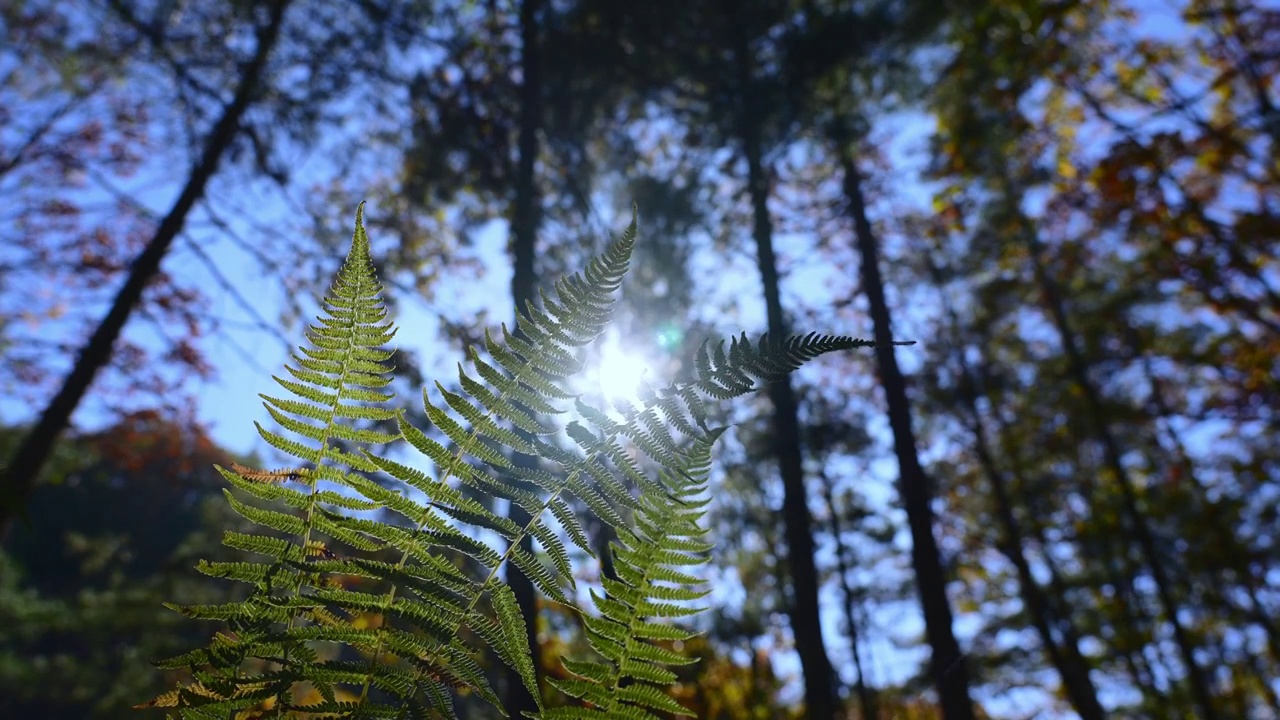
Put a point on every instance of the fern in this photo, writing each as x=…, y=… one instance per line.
x=409, y=634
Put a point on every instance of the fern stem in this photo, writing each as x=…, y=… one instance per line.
x=314, y=481
x=308, y=521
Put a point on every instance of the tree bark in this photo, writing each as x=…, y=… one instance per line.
x=946, y=663
x=819, y=678
x=32, y=454
x=524, y=231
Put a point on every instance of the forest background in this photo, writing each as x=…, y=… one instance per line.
x=1063, y=501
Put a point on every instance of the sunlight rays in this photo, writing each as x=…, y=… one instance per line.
x=615, y=373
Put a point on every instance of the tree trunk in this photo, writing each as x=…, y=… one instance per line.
x=819, y=687
x=31, y=455
x=1112, y=571
x=867, y=700
x=946, y=663
x=524, y=230
x=1067, y=659
x=1219, y=524
x=1079, y=369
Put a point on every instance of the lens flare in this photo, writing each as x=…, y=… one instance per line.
x=669, y=337
x=618, y=373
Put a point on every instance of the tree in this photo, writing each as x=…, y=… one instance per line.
x=26, y=462
x=947, y=664
x=716, y=59
x=747, y=94
x=171, y=76
x=822, y=61
x=1127, y=162
x=117, y=518
x=1065, y=655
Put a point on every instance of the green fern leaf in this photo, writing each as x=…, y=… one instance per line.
x=417, y=624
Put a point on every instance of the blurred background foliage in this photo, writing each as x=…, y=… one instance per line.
x=1064, y=501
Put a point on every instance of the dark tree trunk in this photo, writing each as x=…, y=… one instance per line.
x=820, y=696
x=1066, y=658
x=1112, y=571
x=1220, y=524
x=1078, y=367
x=524, y=230
x=946, y=664
x=798, y=525
x=30, y=457
x=867, y=700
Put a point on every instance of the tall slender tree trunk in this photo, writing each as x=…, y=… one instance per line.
x=1078, y=367
x=1112, y=571
x=1219, y=524
x=819, y=678
x=525, y=221
x=867, y=700
x=1065, y=657
x=32, y=454
x=947, y=665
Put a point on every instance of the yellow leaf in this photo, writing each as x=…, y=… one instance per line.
x=1066, y=169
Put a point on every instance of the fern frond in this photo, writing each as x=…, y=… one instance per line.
x=343, y=368
x=629, y=680
x=322, y=595
x=530, y=370
x=727, y=375
x=654, y=551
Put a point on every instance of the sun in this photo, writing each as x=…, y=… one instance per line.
x=616, y=373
